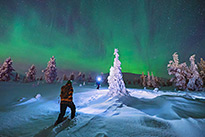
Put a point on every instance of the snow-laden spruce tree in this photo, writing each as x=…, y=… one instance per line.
x=79, y=77
x=115, y=80
x=6, y=70
x=17, y=77
x=143, y=80
x=148, y=80
x=180, y=72
x=65, y=77
x=72, y=76
x=31, y=74
x=157, y=81
x=195, y=81
x=153, y=82
x=50, y=72
x=202, y=69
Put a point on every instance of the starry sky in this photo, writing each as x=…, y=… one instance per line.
x=82, y=34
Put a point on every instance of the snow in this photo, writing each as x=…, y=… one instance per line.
x=36, y=98
x=156, y=89
x=25, y=110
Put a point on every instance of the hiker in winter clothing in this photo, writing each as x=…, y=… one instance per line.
x=98, y=84
x=66, y=101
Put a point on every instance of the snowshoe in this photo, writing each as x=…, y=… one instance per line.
x=56, y=123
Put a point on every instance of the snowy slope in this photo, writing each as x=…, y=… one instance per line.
x=144, y=113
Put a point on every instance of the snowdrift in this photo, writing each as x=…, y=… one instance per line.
x=143, y=113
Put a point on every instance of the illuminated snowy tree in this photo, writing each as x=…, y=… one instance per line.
x=180, y=71
x=6, y=70
x=31, y=74
x=195, y=82
x=50, y=72
x=115, y=80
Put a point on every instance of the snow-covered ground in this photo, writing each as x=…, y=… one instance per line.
x=26, y=109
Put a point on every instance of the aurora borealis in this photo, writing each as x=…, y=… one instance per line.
x=82, y=34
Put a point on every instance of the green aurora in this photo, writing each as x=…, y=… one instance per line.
x=82, y=34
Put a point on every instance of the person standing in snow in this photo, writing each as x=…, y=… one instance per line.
x=98, y=84
x=66, y=101
x=98, y=80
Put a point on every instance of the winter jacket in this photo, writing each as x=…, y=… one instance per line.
x=66, y=93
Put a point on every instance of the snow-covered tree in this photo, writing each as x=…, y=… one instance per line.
x=50, y=72
x=31, y=74
x=89, y=78
x=202, y=69
x=83, y=77
x=115, y=80
x=41, y=78
x=143, y=80
x=195, y=82
x=153, y=82
x=180, y=71
x=17, y=77
x=65, y=77
x=148, y=80
x=6, y=70
x=72, y=76
x=157, y=81
x=79, y=77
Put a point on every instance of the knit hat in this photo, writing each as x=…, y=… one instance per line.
x=69, y=82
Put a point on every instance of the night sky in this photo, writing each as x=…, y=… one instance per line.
x=82, y=34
